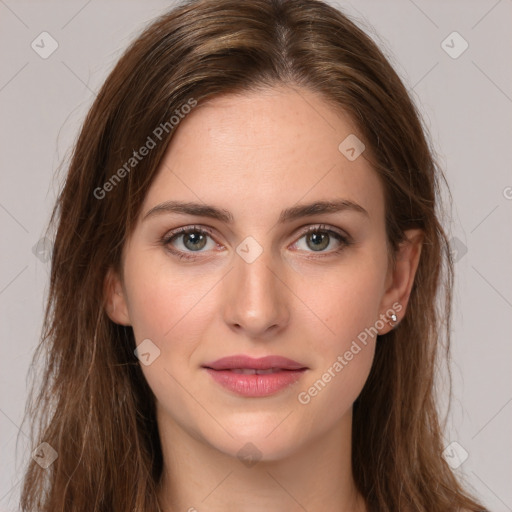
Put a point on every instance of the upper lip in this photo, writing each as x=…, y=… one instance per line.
x=262, y=363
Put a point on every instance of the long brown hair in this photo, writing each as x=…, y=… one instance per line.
x=93, y=405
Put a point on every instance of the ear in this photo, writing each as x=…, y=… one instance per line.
x=400, y=279
x=115, y=299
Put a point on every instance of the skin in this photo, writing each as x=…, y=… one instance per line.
x=254, y=155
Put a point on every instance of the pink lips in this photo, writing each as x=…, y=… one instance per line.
x=251, y=377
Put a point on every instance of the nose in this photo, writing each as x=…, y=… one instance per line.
x=256, y=297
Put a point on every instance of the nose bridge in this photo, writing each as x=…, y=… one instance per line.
x=255, y=298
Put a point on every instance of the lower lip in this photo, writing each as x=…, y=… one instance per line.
x=255, y=385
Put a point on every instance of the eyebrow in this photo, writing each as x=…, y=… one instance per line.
x=287, y=215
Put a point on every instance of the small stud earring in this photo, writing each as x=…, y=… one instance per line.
x=393, y=318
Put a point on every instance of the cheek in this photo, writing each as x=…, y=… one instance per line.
x=343, y=343
x=164, y=303
x=344, y=361
x=345, y=304
x=172, y=310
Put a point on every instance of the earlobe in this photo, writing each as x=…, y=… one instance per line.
x=115, y=300
x=401, y=278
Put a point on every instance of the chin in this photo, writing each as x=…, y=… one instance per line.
x=257, y=441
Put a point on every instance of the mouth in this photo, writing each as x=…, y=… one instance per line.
x=248, y=377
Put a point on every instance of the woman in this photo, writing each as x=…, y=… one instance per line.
x=248, y=254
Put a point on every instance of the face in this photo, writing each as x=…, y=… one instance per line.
x=252, y=281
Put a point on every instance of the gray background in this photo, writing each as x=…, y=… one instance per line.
x=467, y=105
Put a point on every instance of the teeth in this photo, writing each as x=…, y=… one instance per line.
x=252, y=371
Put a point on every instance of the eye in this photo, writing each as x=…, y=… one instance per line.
x=318, y=238
x=193, y=239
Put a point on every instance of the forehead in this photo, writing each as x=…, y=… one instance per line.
x=259, y=152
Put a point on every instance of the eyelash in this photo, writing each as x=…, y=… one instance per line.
x=169, y=237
